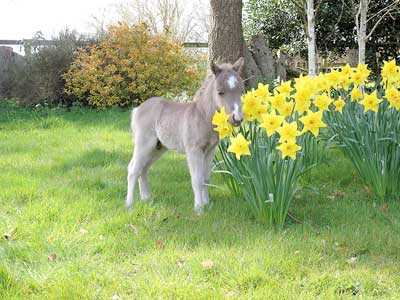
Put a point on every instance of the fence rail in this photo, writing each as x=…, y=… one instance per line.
x=27, y=43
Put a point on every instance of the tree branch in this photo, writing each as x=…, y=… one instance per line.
x=376, y=24
x=390, y=7
x=317, y=8
x=357, y=19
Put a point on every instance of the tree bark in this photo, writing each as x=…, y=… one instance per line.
x=225, y=40
x=252, y=73
x=312, y=65
x=263, y=57
x=362, y=31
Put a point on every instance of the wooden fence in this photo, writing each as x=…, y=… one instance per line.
x=27, y=44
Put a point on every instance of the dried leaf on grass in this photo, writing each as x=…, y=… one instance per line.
x=52, y=257
x=134, y=229
x=336, y=194
x=160, y=244
x=207, y=264
x=9, y=235
x=384, y=208
x=352, y=260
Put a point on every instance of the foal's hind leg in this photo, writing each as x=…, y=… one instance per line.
x=143, y=181
x=142, y=156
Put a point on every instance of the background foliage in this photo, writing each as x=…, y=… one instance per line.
x=38, y=78
x=131, y=65
x=281, y=23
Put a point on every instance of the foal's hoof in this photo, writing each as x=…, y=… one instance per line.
x=146, y=198
x=199, y=210
x=128, y=206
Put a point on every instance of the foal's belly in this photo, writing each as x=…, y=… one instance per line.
x=170, y=139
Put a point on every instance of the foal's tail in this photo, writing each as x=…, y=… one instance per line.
x=133, y=113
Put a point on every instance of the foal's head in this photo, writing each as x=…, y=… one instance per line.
x=228, y=89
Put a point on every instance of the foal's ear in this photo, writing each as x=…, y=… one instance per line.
x=237, y=66
x=215, y=68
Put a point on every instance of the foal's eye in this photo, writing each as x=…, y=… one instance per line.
x=220, y=93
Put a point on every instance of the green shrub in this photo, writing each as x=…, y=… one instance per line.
x=128, y=66
x=38, y=77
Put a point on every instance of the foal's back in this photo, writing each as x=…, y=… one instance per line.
x=165, y=120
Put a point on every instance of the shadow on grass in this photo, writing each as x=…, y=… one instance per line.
x=21, y=118
x=95, y=158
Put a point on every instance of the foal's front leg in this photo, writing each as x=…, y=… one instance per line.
x=208, y=158
x=196, y=159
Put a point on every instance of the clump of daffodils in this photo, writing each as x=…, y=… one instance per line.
x=293, y=109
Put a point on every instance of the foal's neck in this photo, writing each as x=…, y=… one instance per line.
x=205, y=103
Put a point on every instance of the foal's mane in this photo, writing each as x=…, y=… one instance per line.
x=200, y=92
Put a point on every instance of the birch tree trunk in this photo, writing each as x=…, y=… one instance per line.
x=226, y=33
x=312, y=61
x=362, y=31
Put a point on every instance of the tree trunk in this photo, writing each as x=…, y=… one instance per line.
x=263, y=57
x=352, y=57
x=225, y=40
x=362, y=32
x=312, y=65
x=252, y=72
x=281, y=65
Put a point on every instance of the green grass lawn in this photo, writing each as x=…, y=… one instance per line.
x=62, y=189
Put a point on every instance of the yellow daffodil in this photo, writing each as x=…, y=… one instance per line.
x=322, y=101
x=346, y=70
x=339, y=104
x=288, y=132
x=254, y=112
x=345, y=81
x=223, y=127
x=363, y=69
x=302, y=94
x=285, y=88
x=393, y=96
x=358, y=78
x=220, y=117
x=224, y=130
x=255, y=103
x=306, y=82
x=271, y=122
x=250, y=106
x=313, y=122
x=360, y=75
x=371, y=102
x=278, y=101
x=322, y=83
x=239, y=146
x=262, y=91
x=355, y=93
x=389, y=69
x=286, y=109
x=302, y=106
x=289, y=149
x=333, y=78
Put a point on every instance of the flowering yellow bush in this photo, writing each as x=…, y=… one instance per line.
x=129, y=66
x=280, y=136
